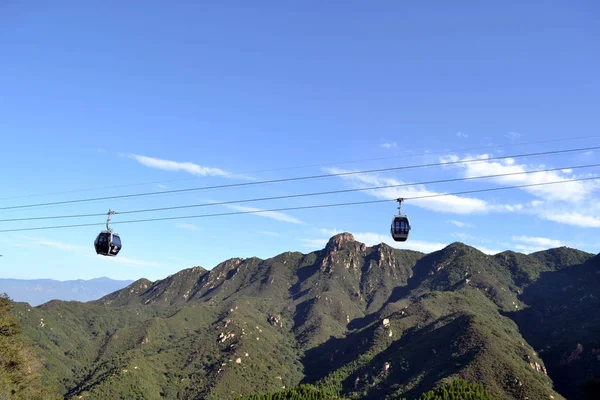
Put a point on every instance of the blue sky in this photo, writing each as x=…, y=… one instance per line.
x=136, y=92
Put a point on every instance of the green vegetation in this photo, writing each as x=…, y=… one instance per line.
x=19, y=370
x=301, y=392
x=350, y=321
x=458, y=390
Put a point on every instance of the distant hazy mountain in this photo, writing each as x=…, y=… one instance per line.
x=39, y=291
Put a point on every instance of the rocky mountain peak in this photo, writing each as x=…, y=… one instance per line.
x=341, y=240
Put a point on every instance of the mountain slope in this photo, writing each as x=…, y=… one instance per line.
x=19, y=370
x=368, y=322
x=563, y=323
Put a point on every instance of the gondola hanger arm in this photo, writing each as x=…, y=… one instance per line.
x=110, y=212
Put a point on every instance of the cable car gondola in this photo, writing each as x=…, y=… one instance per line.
x=107, y=242
x=400, y=225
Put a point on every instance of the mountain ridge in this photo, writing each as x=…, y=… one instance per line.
x=366, y=321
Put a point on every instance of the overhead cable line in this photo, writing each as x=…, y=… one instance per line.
x=406, y=167
x=300, y=195
x=300, y=207
x=229, y=175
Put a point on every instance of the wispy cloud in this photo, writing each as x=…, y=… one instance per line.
x=486, y=250
x=538, y=241
x=167, y=165
x=189, y=227
x=389, y=145
x=461, y=224
x=267, y=214
x=568, y=191
x=449, y=203
x=37, y=242
x=475, y=241
x=23, y=245
x=462, y=135
x=513, y=136
x=527, y=249
x=579, y=198
x=463, y=236
x=532, y=244
x=125, y=260
x=268, y=233
x=188, y=167
x=86, y=251
x=573, y=218
x=58, y=245
x=160, y=186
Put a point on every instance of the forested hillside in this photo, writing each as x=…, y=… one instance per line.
x=19, y=369
x=349, y=320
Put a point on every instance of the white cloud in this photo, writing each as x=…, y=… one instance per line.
x=487, y=250
x=585, y=214
x=538, y=241
x=449, y=203
x=127, y=261
x=267, y=214
x=160, y=186
x=23, y=245
x=462, y=135
x=513, y=136
x=522, y=248
x=570, y=203
x=167, y=165
x=568, y=191
x=269, y=233
x=389, y=145
x=57, y=245
x=464, y=236
x=571, y=218
x=190, y=227
x=188, y=167
x=461, y=224
x=535, y=203
x=468, y=239
x=88, y=252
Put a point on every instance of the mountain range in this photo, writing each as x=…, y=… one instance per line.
x=361, y=322
x=39, y=291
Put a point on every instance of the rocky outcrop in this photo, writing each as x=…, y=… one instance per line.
x=275, y=320
x=342, y=241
